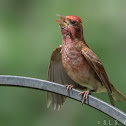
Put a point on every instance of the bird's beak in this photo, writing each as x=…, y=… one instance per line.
x=63, y=22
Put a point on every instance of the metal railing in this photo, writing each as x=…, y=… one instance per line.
x=7, y=80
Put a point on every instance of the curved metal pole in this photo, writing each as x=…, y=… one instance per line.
x=98, y=104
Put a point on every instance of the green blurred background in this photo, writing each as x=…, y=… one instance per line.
x=29, y=34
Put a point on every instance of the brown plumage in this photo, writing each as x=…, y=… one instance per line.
x=74, y=63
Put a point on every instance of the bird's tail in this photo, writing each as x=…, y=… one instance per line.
x=117, y=95
x=56, y=100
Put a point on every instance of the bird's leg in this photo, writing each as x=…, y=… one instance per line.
x=69, y=87
x=85, y=95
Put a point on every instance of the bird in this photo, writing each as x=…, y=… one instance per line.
x=74, y=65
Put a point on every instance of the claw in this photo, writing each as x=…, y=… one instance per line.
x=68, y=87
x=85, y=95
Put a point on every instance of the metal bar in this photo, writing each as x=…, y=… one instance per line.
x=7, y=80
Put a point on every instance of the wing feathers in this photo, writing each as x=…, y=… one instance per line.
x=56, y=73
x=95, y=63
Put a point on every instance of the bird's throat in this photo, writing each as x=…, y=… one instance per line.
x=71, y=36
x=66, y=39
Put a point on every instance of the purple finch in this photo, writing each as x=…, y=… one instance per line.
x=74, y=63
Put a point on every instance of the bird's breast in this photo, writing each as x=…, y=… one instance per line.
x=71, y=55
x=77, y=66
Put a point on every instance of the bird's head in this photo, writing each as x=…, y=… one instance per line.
x=71, y=27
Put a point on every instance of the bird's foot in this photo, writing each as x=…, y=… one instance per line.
x=68, y=87
x=85, y=95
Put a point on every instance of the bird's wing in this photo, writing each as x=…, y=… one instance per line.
x=57, y=73
x=95, y=63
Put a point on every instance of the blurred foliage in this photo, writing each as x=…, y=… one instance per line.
x=29, y=34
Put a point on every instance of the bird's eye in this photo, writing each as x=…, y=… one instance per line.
x=73, y=22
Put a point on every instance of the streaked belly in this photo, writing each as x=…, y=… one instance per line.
x=79, y=70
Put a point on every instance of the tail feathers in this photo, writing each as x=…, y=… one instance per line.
x=56, y=100
x=117, y=95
